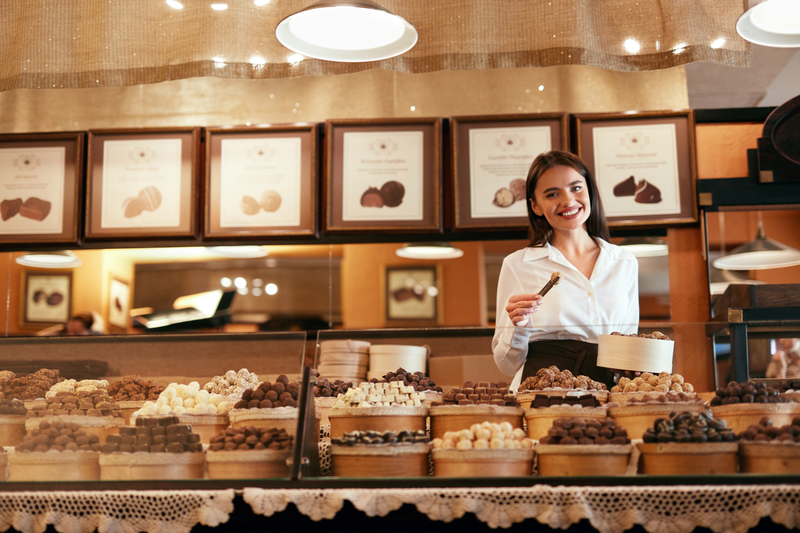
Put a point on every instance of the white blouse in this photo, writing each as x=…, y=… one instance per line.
x=575, y=309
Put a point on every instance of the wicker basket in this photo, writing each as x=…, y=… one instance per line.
x=683, y=459
x=583, y=460
x=244, y=464
x=102, y=426
x=457, y=417
x=739, y=416
x=540, y=421
x=377, y=419
x=638, y=418
x=142, y=466
x=393, y=460
x=769, y=457
x=54, y=466
x=622, y=397
x=482, y=463
x=525, y=398
x=12, y=430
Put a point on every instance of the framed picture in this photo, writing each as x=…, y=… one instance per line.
x=47, y=298
x=261, y=181
x=412, y=296
x=491, y=156
x=645, y=165
x=40, y=187
x=119, y=303
x=383, y=176
x=142, y=183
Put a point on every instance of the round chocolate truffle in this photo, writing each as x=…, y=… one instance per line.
x=55, y=298
x=249, y=206
x=517, y=187
x=503, y=198
x=270, y=201
x=372, y=198
x=150, y=197
x=131, y=207
x=392, y=193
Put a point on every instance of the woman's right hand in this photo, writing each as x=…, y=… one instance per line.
x=522, y=305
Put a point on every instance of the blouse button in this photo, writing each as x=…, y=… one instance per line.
x=594, y=321
x=589, y=294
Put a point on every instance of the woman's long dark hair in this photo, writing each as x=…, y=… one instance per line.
x=540, y=232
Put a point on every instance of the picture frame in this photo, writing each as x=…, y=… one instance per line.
x=142, y=184
x=119, y=303
x=490, y=157
x=412, y=296
x=645, y=165
x=383, y=176
x=282, y=175
x=46, y=298
x=41, y=177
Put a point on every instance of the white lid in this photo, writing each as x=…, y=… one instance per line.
x=391, y=349
x=346, y=345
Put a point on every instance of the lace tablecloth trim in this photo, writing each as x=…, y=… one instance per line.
x=153, y=511
x=659, y=509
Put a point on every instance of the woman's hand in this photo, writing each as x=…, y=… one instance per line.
x=522, y=305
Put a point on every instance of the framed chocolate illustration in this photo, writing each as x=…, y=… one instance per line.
x=412, y=296
x=261, y=181
x=491, y=156
x=142, y=183
x=40, y=187
x=645, y=165
x=383, y=176
x=46, y=298
x=119, y=303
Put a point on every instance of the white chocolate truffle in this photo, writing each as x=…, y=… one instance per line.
x=164, y=409
x=179, y=410
x=176, y=401
x=481, y=444
x=496, y=444
x=201, y=408
x=437, y=443
x=188, y=403
x=214, y=399
x=212, y=409
x=464, y=444
x=223, y=408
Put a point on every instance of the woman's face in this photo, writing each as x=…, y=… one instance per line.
x=562, y=197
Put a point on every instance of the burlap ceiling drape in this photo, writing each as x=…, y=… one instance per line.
x=99, y=43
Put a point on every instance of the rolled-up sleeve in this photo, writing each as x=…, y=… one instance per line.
x=510, y=343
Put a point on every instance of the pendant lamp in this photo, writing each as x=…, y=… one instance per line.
x=60, y=259
x=773, y=23
x=429, y=250
x=645, y=246
x=759, y=254
x=346, y=31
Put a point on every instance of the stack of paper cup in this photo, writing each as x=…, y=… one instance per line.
x=347, y=360
x=385, y=358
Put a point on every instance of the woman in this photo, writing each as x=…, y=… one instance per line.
x=785, y=361
x=598, y=293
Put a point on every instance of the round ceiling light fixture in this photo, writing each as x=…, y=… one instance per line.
x=759, y=254
x=773, y=23
x=645, y=246
x=60, y=259
x=347, y=31
x=238, y=252
x=429, y=250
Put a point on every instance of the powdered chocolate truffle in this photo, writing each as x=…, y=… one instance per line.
x=392, y=193
x=270, y=201
x=517, y=187
x=249, y=206
x=150, y=197
x=647, y=193
x=372, y=198
x=55, y=298
x=626, y=187
x=503, y=198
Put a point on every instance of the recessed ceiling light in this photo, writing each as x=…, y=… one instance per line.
x=718, y=43
x=679, y=48
x=632, y=46
x=174, y=4
x=261, y=2
x=429, y=250
x=295, y=59
x=258, y=61
x=219, y=7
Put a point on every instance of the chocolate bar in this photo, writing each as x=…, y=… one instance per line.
x=10, y=208
x=35, y=208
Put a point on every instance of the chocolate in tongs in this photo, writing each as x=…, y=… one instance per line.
x=555, y=279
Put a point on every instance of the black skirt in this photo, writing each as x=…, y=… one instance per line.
x=578, y=357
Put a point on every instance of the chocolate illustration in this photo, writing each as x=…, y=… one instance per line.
x=372, y=198
x=118, y=304
x=249, y=206
x=503, y=198
x=405, y=293
x=392, y=193
x=517, y=187
x=150, y=197
x=131, y=207
x=647, y=193
x=625, y=188
x=9, y=208
x=270, y=201
x=39, y=296
x=55, y=298
x=35, y=208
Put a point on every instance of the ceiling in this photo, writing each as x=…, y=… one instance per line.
x=772, y=79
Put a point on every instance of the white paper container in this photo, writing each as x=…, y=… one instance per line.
x=398, y=349
x=343, y=358
x=345, y=345
x=635, y=353
x=390, y=362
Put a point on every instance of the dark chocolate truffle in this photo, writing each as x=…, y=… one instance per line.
x=392, y=193
x=625, y=188
x=372, y=198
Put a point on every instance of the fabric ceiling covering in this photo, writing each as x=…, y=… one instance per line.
x=97, y=43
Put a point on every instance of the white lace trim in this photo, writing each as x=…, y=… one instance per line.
x=84, y=421
x=659, y=509
x=155, y=511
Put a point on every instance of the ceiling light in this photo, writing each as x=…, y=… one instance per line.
x=760, y=254
x=238, y=252
x=720, y=279
x=240, y=282
x=295, y=59
x=773, y=23
x=645, y=246
x=63, y=259
x=271, y=289
x=346, y=31
x=258, y=61
x=718, y=43
x=632, y=46
x=219, y=7
x=429, y=250
x=225, y=282
x=219, y=62
x=679, y=48
x=261, y=2
x=174, y=4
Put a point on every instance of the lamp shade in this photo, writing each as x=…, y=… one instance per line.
x=645, y=246
x=60, y=259
x=430, y=250
x=759, y=254
x=346, y=31
x=773, y=23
